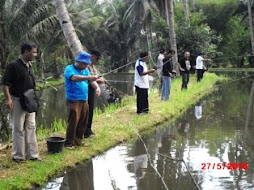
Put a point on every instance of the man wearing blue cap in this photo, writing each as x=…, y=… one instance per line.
x=77, y=77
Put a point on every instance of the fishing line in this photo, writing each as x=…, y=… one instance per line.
x=232, y=57
x=115, y=81
x=148, y=156
x=150, y=162
x=182, y=160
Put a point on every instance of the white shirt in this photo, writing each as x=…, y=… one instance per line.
x=141, y=81
x=160, y=64
x=199, y=62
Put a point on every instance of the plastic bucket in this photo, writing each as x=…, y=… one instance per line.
x=55, y=144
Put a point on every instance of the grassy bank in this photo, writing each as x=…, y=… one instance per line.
x=112, y=127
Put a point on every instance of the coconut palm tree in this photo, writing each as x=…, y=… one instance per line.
x=186, y=11
x=250, y=3
x=122, y=33
x=172, y=34
x=17, y=18
x=67, y=27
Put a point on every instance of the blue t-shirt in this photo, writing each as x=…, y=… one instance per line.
x=75, y=90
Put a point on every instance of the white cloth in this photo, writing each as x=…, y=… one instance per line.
x=199, y=62
x=160, y=64
x=187, y=63
x=141, y=81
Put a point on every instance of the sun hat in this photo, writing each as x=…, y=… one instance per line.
x=83, y=57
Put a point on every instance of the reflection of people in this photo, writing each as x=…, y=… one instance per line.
x=165, y=134
x=185, y=67
x=160, y=64
x=18, y=78
x=95, y=56
x=140, y=165
x=198, y=111
x=200, y=67
x=167, y=74
x=79, y=178
x=183, y=128
x=76, y=87
x=142, y=83
x=140, y=160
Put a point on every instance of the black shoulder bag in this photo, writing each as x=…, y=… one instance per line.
x=29, y=101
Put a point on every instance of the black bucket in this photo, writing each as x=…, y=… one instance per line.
x=55, y=144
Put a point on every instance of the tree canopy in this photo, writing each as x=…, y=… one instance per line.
x=120, y=29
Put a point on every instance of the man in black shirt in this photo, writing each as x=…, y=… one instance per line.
x=185, y=67
x=18, y=78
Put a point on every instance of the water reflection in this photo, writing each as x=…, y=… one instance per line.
x=214, y=133
x=198, y=111
x=79, y=178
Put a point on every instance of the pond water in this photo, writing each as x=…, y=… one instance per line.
x=217, y=131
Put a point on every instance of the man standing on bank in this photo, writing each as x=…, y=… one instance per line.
x=160, y=64
x=200, y=67
x=17, y=79
x=142, y=83
x=77, y=77
x=167, y=74
x=95, y=57
x=185, y=67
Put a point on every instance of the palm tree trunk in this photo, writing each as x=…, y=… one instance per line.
x=67, y=27
x=251, y=26
x=4, y=46
x=172, y=34
x=193, y=3
x=250, y=107
x=186, y=12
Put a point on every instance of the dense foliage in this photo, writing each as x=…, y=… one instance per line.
x=120, y=29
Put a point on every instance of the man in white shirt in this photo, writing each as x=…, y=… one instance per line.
x=142, y=83
x=160, y=64
x=200, y=67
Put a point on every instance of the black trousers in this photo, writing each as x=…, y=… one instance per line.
x=185, y=80
x=91, y=93
x=142, y=100
x=200, y=73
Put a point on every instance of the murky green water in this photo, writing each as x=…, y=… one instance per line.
x=219, y=129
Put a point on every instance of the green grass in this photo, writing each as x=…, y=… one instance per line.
x=112, y=127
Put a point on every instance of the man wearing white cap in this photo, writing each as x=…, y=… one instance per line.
x=77, y=77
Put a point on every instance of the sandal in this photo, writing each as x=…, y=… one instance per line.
x=18, y=160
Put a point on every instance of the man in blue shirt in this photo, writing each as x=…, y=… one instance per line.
x=77, y=77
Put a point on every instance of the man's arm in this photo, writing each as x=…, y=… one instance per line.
x=148, y=72
x=78, y=78
x=180, y=68
x=7, y=95
x=95, y=85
